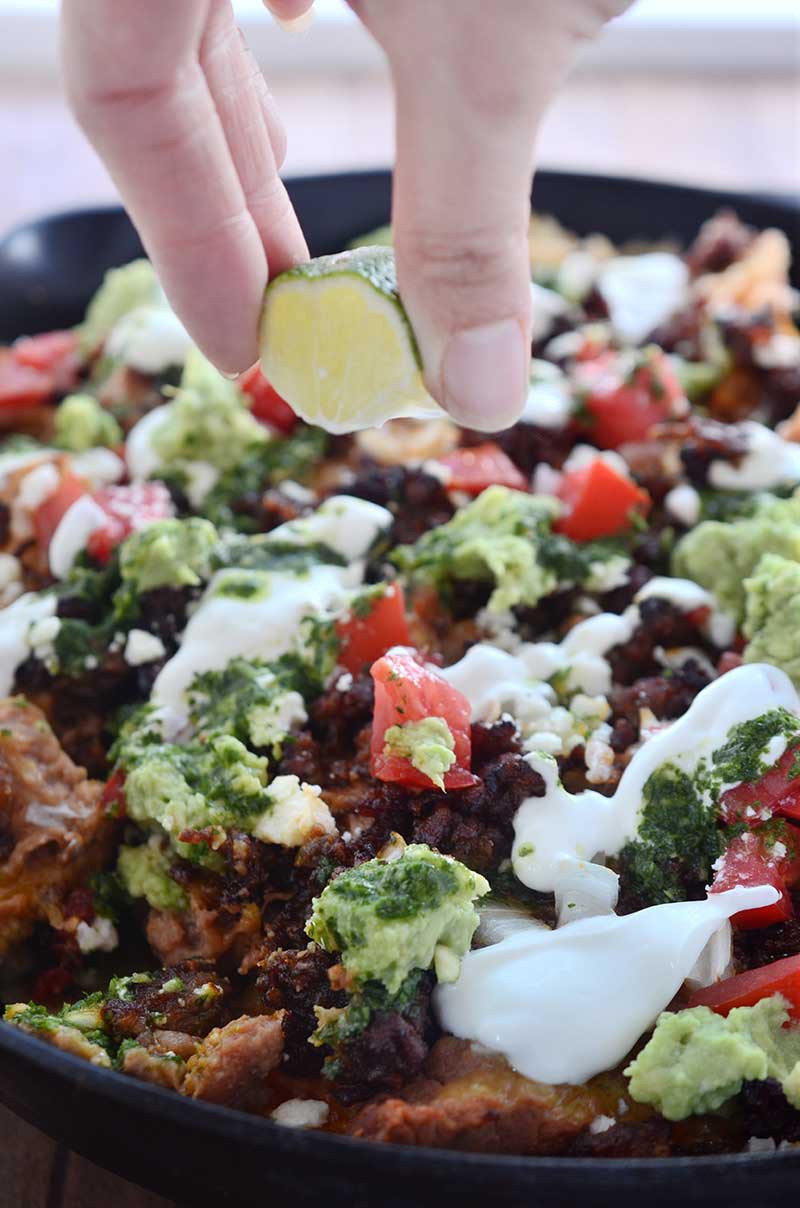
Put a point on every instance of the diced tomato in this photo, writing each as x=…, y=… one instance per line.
x=748, y=861
x=777, y=792
x=625, y=408
x=47, y=516
x=20, y=385
x=363, y=639
x=600, y=501
x=267, y=404
x=54, y=353
x=473, y=470
x=127, y=508
x=112, y=798
x=407, y=689
x=729, y=660
x=746, y=989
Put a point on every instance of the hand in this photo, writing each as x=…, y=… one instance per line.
x=174, y=103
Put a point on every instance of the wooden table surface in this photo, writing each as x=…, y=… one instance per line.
x=36, y=1172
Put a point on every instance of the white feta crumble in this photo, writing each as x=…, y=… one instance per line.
x=37, y=485
x=41, y=636
x=143, y=647
x=546, y=480
x=10, y=579
x=500, y=628
x=608, y=574
x=297, y=812
x=683, y=504
x=601, y=1124
x=344, y=682
x=297, y=492
x=301, y=1113
x=99, y=936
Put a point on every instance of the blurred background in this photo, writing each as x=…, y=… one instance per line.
x=700, y=91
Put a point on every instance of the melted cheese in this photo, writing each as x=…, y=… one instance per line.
x=559, y=829
x=567, y=1004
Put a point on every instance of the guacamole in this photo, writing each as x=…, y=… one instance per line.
x=81, y=423
x=772, y=614
x=696, y=1060
x=168, y=553
x=208, y=420
x=144, y=872
x=427, y=744
x=721, y=556
x=388, y=917
x=123, y=289
x=496, y=538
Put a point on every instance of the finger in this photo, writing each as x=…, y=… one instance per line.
x=138, y=91
x=466, y=136
x=292, y=14
x=243, y=103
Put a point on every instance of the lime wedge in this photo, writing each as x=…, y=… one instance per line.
x=336, y=343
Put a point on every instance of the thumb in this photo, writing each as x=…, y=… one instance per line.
x=470, y=94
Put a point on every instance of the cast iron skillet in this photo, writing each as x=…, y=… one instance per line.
x=203, y=1155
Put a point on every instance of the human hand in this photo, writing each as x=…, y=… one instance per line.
x=174, y=103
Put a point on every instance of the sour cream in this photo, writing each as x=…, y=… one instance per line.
x=549, y=403
x=554, y=831
x=641, y=292
x=81, y=519
x=565, y=1005
x=267, y=622
x=16, y=622
x=150, y=338
x=770, y=461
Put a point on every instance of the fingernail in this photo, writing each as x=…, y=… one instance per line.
x=297, y=24
x=485, y=375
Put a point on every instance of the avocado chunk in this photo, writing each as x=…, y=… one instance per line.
x=696, y=1060
x=389, y=917
x=81, y=423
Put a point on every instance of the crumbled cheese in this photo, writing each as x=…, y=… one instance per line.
x=344, y=682
x=297, y=813
x=41, y=636
x=37, y=485
x=10, y=579
x=143, y=647
x=601, y=1124
x=500, y=628
x=584, y=455
x=599, y=756
x=683, y=504
x=99, y=936
x=297, y=492
x=608, y=574
x=760, y=1145
x=546, y=480
x=301, y=1113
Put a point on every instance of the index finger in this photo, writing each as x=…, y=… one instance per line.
x=137, y=88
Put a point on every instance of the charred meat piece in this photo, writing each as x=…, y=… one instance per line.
x=720, y=241
x=295, y=981
x=661, y=625
x=188, y=997
x=54, y=830
x=417, y=500
x=233, y=1064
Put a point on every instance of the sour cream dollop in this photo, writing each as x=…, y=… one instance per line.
x=564, y=1005
x=557, y=830
x=770, y=461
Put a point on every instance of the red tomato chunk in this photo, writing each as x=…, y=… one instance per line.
x=128, y=508
x=473, y=470
x=600, y=501
x=364, y=639
x=777, y=792
x=625, y=407
x=266, y=405
x=746, y=989
x=407, y=689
